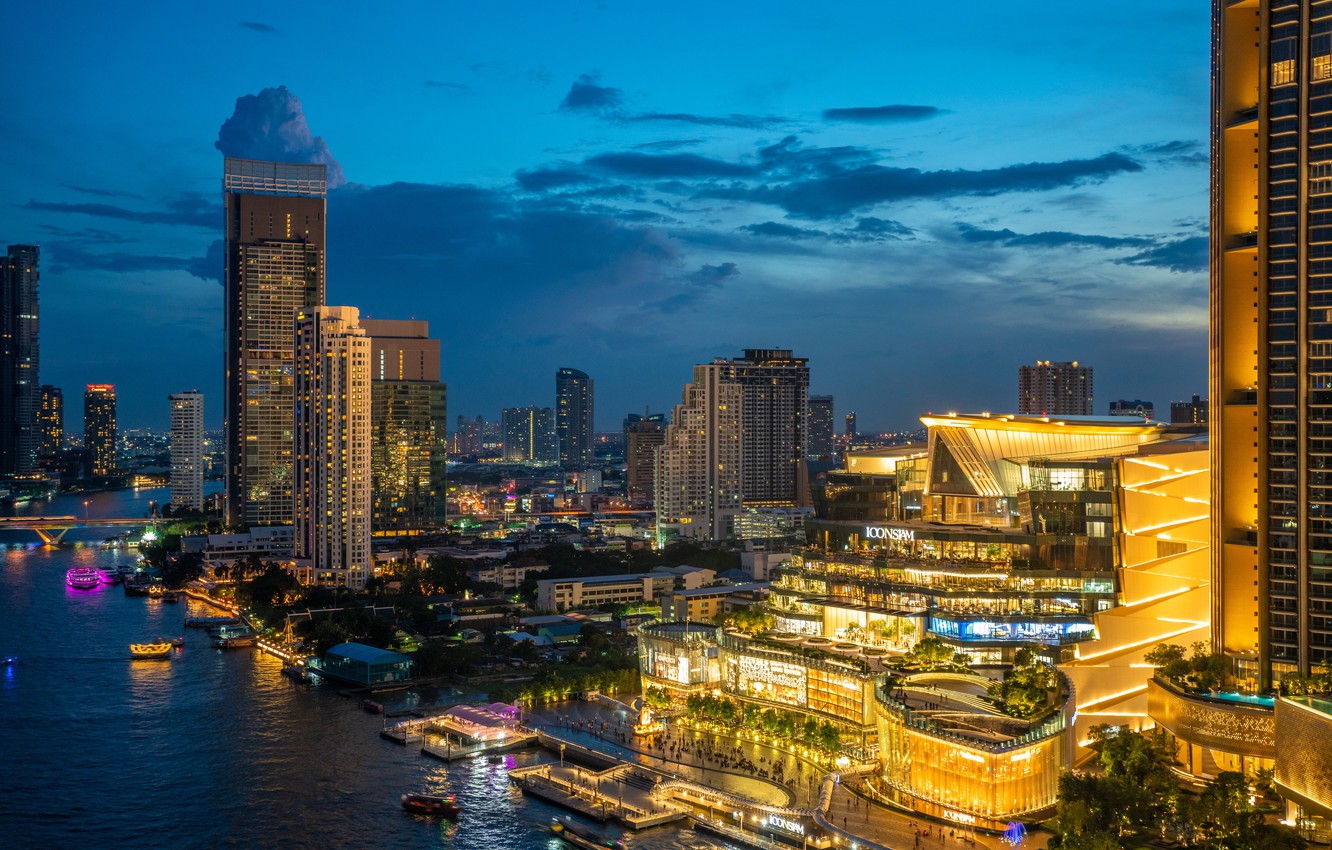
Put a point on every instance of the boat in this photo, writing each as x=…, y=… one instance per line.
x=170, y=596
x=427, y=804
x=150, y=651
x=135, y=588
x=175, y=641
x=372, y=706
x=109, y=577
x=583, y=836
x=298, y=672
x=84, y=578
x=235, y=641
x=210, y=622
x=156, y=591
x=11, y=661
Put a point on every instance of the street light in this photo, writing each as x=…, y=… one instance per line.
x=85, y=510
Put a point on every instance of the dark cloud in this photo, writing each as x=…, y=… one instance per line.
x=86, y=235
x=271, y=126
x=1189, y=254
x=667, y=166
x=552, y=177
x=844, y=190
x=210, y=265
x=1174, y=152
x=882, y=114
x=871, y=228
x=256, y=26
x=698, y=285
x=1049, y=238
x=667, y=144
x=783, y=231
x=444, y=84
x=744, y=122
x=188, y=208
x=585, y=95
x=100, y=193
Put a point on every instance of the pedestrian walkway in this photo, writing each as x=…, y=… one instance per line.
x=856, y=818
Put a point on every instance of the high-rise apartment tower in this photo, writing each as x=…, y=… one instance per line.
x=99, y=429
x=529, y=436
x=1055, y=389
x=50, y=420
x=643, y=434
x=821, y=439
x=331, y=492
x=573, y=418
x=187, y=450
x=19, y=359
x=408, y=442
x=274, y=267
x=698, y=467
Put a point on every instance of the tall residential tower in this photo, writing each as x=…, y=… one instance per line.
x=99, y=430
x=331, y=493
x=274, y=267
x=1055, y=389
x=187, y=450
x=573, y=418
x=18, y=360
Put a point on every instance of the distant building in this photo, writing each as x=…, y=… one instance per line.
x=1192, y=412
x=1139, y=409
x=697, y=472
x=559, y=594
x=573, y=418
x=50, y=420
x=705, y=603
x=274, y=266
x=99, y=429
x=851, y=432
x=468, y=437
x=409, y=422
x=187, y=454
x=19, y=360
x=529, y=436
x=642, y=435
x=1055, y=389
x=821, y=440
x=331, y=398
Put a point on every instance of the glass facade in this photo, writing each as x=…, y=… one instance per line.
x=408, y=455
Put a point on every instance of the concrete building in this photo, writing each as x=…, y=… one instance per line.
x=642, y=436
x=50, y=420
x=408, y=452
x=1135, y=408
x=529, y=436
x=705, y=603
x=697, y=471
x=19, y=360
x=331, y=395
x=573, y=418
x=268, y=543
x=822, y=441
x=593, y=591
x=99, y=429
x=274, y=267
x=1192, y=412
x=187, y=450
x=1055, y=389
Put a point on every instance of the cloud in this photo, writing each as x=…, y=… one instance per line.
x=210, y=265
x=873, y=229
x=585, y=95
x=271, y=126
x=666, y=166
x=444, y=84
x=100, y=193
x=783, y=231
x=698, y=285
x=552, y=177
x=842, y=190
x=745, y=122
x=1174, y=152
x=1049, y=238
x=882, y=114
x=189, y=209
x=667, y=144
x=257, y=26
x=1189, y=254
x=70, y=256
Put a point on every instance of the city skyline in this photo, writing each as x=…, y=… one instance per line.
x=851, y=215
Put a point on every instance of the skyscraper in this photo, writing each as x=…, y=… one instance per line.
x=1055, y=389
x=1271, y=338
x=529, y=436
x=467, y=437
x=699, y=466
x=50, y=420
x=408, y=432
x=573, y=418
x=775, y=426
x=331, y=490
x=274, y=267
x=99, y=429
x=19, y=360
x=821, y=427
x=187, y=454
x=850, y=432
x=642, y=435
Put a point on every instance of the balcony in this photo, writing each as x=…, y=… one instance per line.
x=1243, y=242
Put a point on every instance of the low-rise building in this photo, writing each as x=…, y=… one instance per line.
x=267, y=543
x=705, y=603
x=365, y=665
x=511, y=575
x=596, y=591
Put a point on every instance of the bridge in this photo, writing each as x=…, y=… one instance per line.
x=53, y=528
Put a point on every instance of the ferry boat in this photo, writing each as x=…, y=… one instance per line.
x=84, y=578
x=150, y=651
x=426, y=804
x=581, y=836
x=175, y=641
x=135, y=588
x=109, y=576
x=170, y=596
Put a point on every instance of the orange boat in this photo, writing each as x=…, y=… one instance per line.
x=426, y=804
x=150, y=651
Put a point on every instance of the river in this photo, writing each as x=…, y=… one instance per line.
x=213, y=748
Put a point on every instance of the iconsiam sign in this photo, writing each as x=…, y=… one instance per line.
x=890, y=533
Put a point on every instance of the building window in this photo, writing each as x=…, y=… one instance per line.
x=1283, y=62
x=1320, y=178
x=1321, y=64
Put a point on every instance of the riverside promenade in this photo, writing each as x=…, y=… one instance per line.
x=743, y=767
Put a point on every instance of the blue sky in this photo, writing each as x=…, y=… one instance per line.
x=917, y=198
